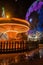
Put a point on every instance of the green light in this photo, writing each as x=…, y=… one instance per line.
x=2, y=8
x=3, y=12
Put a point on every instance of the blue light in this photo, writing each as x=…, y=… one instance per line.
x=30, y=20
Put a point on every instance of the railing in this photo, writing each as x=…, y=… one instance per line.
x=15, y=46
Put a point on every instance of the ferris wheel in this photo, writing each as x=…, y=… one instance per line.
x=35, y=15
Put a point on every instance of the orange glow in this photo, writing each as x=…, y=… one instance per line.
x=13, y=26
x=7, y=16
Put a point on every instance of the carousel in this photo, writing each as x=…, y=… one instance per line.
x=11, y=27
x=10, y=34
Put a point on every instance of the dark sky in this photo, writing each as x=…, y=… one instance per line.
x=15, y=8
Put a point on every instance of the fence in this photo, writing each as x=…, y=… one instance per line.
x=16, y=46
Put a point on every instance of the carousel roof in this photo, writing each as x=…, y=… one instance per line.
x=10, y=27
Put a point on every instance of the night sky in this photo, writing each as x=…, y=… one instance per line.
x=15, y=8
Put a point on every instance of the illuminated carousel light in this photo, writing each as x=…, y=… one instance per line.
x=13, y=26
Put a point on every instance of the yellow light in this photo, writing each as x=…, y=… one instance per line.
x=7, y=16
